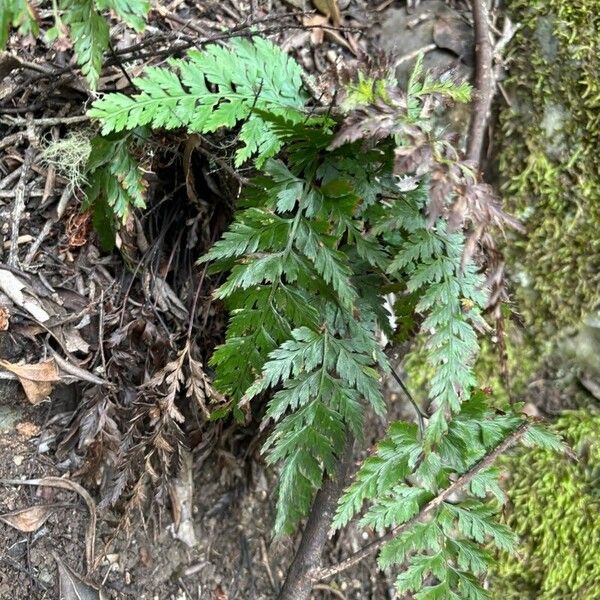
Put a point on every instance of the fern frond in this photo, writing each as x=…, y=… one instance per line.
x=247, y=75
x=324, y=378
x=18, y=14
x=114, y=184
x=132, y=12
x=89, y=33
x=452, y=297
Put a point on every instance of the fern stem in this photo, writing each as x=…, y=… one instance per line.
x=420, y=414
x=304, y=570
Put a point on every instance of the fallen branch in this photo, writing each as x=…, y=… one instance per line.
x=428, y=508
x=485, y=84
x=47, y=121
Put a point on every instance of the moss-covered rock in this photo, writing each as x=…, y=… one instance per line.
x=555, y=508
x=550, y=144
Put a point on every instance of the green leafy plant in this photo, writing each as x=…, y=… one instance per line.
x=215, y=88
x=370, y=200
x=18, y=14
x=81, y=20
x=114, y=183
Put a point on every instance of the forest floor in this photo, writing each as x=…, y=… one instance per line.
x=93, y=316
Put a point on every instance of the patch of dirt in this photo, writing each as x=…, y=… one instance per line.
x=235, y=557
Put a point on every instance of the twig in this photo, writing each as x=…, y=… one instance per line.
x=428, y=508
x=33, y=249
x=31, y=193
x=186, y=23
x=46, y=122
x=21, y=194
x=414, y=54
x=15, y=62
x=8, y=180
x=484, y=82
x=14, y=138
x=265, y=561
x=420, y=414
x=331, y=590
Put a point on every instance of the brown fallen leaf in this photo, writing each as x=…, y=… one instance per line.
x=67, y=484
x=72, y=586
x=330, y=9
x=316, y=32
x=36, y=379
x=220, y=594
x=27, y=520
x=182, y=496
x=13, y=287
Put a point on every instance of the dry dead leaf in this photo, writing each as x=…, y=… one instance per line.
x=330, y=9
x=36, y=379
x=27, y=429
x=72, y=586
x=13, y=287
x=220, y=594
x=4, y=318
x=67, y=484
x=182, y=496
x=29, y=519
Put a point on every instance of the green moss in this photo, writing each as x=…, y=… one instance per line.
x=555, y=509
x=550, y=143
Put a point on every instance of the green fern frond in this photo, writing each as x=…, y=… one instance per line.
x=324, y=378
x=452, y=298
x=132, y=12
x=89, y=33
x=114, y=184
x=213, y=88
x=18, y=14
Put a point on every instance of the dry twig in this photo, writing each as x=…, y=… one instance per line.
x=484, y=82
x=21, y=195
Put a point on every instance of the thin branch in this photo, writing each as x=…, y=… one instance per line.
x=46, y=121
x=428, y=508
x=22, y=192
x=484, y=82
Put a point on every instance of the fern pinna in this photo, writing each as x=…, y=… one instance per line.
x=365, y=201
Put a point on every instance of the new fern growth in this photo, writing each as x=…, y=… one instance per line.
x=372, y=201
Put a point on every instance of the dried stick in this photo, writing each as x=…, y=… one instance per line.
x=21, y=194
x=428, y=508
x=46, y=121
x=484, y=82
